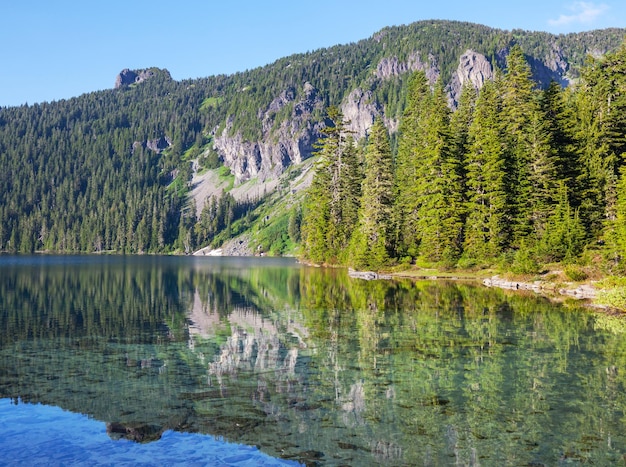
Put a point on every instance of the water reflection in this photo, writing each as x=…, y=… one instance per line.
x=310, y=365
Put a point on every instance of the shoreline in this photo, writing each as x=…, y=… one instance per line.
x=557, y=291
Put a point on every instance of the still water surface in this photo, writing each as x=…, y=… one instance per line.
x=257, y=361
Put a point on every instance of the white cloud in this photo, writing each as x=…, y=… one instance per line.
x=582, y=12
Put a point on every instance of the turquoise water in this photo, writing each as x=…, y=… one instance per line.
x=258, y=361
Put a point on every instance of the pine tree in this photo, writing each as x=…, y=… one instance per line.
x=439, y=185
x=331, y=210
x=487, y=228
x=544, y=181
x=519, y=109
x=601, y=125
x=565, y=234
x=559, y=118
x=410, y=143
x=370, y=244
x=461, y=119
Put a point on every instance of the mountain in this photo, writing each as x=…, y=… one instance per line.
x=158, y=165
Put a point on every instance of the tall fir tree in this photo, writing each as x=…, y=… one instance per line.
x=371, y=242
x=410, y=143
x=558, y=113
x=600, y=129
x=438, y=184
x=519, y=113
x=331, y=210
x=487, y=227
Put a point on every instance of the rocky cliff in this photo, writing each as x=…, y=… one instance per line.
x=285, y=142
x=291, y=140
x=292, y=121
x=127, y=77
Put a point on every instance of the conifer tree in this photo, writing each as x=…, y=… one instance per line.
x=487, y=228
x=370, y=244
x=601, y=125
x=544, y=181
x=461, y=119
x=519, y=113
x=565, y=235
x=410, y=142
x=558, y=115
x=438, y=184
x=331, y=210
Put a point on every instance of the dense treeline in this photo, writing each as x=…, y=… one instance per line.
x=93, y=173
x=516, y=174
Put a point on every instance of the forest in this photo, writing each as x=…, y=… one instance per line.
x=517, y=176
x=522, y=172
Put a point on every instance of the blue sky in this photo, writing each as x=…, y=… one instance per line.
x=59, y=49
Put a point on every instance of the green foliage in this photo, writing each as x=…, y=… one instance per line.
x=525, y=262
x=575, y=273
x=615, y=298
x=80, y=174
x=295, y=224
x=496, y=181
x=370, y=245
x=274, y=239
x=331, y=209
x=564, y=236
x=487, y=230
x=438, y=184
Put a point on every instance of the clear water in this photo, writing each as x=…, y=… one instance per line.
x=257, y=361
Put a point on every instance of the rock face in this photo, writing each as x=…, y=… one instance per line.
x=360, y=110
x=288, y=142
x=389, y=67
x=157, y=145
x=554, y=69
x=127, y=77
x=475, y=69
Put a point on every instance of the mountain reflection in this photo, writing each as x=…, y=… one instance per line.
x=309, y=364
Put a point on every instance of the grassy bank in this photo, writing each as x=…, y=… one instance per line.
x=555, y=280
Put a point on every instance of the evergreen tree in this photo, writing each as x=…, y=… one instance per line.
x=601, y=125
x=461, y=119
x=519, y=113
x=438, y=184
x=558, y=114
x=487, y=228
x=370, y=244
x=544, y=181
x=564, y=238
x=331, y=210
x=410, y=143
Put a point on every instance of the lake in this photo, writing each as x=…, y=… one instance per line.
x=258, y=361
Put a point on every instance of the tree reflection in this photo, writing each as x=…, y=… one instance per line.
x=312, y=365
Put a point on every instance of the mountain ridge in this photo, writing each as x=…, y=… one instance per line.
x=121, y=162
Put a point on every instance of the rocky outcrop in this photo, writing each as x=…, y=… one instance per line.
x=389, y=67
x=157, y=145
x=583, y=291
x=360, y=110
x=127, y=77
x=285, y=142
x=474, y=69
x=289, y=128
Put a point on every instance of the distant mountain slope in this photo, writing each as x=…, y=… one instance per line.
x=109, y=171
